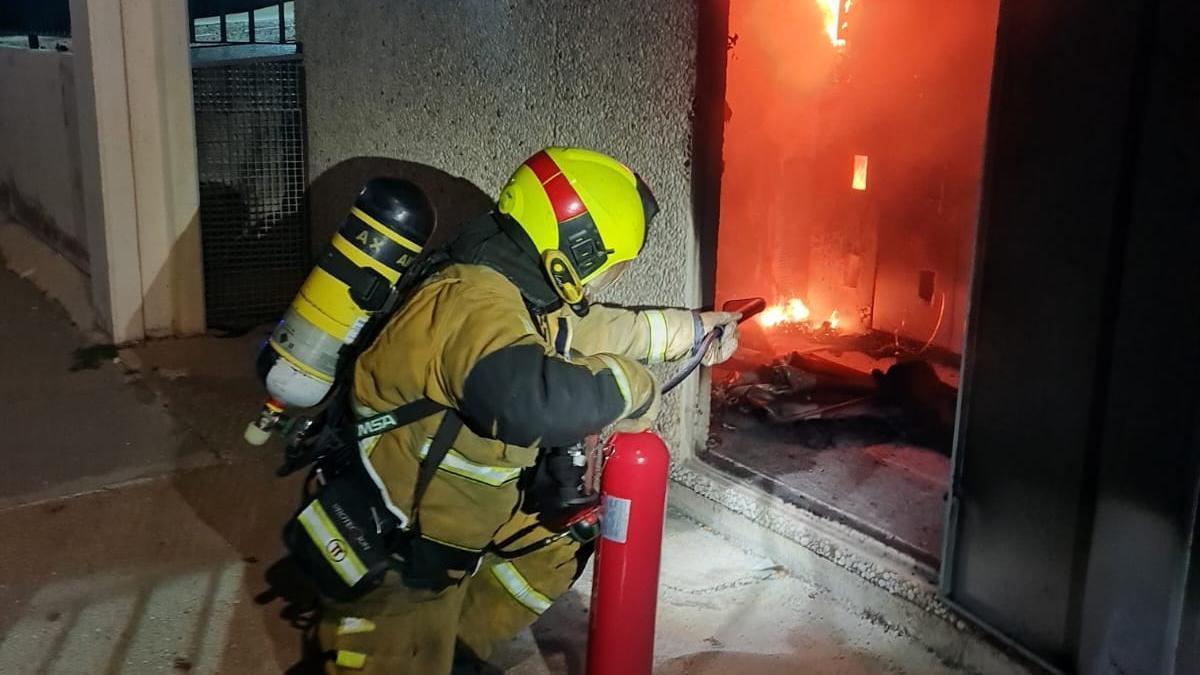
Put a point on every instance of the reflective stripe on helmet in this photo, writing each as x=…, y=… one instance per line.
x=579, y=239
x=563, y=198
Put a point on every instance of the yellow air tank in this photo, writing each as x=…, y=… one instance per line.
x=385, y=231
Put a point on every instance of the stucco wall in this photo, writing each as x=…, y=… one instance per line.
x=40, y=183
x=472, y=88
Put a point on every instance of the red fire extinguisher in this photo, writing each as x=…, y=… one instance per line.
x=633, y=496
x=633, y=493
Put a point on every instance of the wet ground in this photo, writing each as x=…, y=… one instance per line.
x=139, y=534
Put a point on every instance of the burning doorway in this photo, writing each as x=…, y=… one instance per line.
x=852, y=155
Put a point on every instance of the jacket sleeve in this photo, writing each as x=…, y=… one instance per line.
x=648, y=335
x=499, y=374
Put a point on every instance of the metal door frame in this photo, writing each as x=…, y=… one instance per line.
x=1073, y=85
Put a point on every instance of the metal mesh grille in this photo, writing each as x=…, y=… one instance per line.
x=250, y=136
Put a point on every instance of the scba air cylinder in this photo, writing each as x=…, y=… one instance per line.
x=387, y=227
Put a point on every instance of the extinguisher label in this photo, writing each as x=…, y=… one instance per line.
x=614, y=519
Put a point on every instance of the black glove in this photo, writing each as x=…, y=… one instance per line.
x=557, y=482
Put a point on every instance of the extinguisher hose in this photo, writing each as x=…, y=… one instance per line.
x=746, y=307
x=694, y=360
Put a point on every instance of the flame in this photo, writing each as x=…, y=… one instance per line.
x=792, y=311
x=831, y=11
x=859, y=181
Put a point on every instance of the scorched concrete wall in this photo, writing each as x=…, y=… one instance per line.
x=473, y=88
x=40, y=183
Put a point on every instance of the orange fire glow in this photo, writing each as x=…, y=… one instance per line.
x=831, y=11
x=792, y=311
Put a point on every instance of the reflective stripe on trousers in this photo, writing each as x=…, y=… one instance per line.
x=515, y=583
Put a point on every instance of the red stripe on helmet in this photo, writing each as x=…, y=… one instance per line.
x=543, y=166
x=563, y=198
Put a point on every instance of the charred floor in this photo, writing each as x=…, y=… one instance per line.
x=857, y=428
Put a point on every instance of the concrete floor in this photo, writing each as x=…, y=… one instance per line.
x=892, y=491
x=140, y=533
x=72, y=424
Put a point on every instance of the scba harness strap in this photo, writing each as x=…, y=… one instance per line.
x=439, y=447
x=347, y=536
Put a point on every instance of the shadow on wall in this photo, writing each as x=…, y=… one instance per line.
x=173, y=300
x=330, y=195
x=37, y=219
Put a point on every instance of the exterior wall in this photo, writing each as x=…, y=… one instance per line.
x=162, y=122
x=107, y=167
x=97, y=158
x=472, y=89
x=40, y=180
x=138, y=164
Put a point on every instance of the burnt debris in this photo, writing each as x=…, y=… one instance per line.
x=823, y=404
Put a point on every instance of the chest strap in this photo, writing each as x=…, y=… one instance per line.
x=394, y=419
x=439, y=446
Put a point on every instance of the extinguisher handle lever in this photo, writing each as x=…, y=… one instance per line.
x=747, y=307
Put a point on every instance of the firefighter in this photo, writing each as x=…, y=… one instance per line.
x=504, y=336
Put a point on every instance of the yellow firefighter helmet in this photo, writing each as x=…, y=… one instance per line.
x=585, y=212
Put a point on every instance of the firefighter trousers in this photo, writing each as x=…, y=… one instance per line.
x=397, y=629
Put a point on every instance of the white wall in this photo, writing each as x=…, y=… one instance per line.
x=40, y=180
x=138, y=158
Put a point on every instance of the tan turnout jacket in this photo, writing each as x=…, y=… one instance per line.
x=466, y=339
